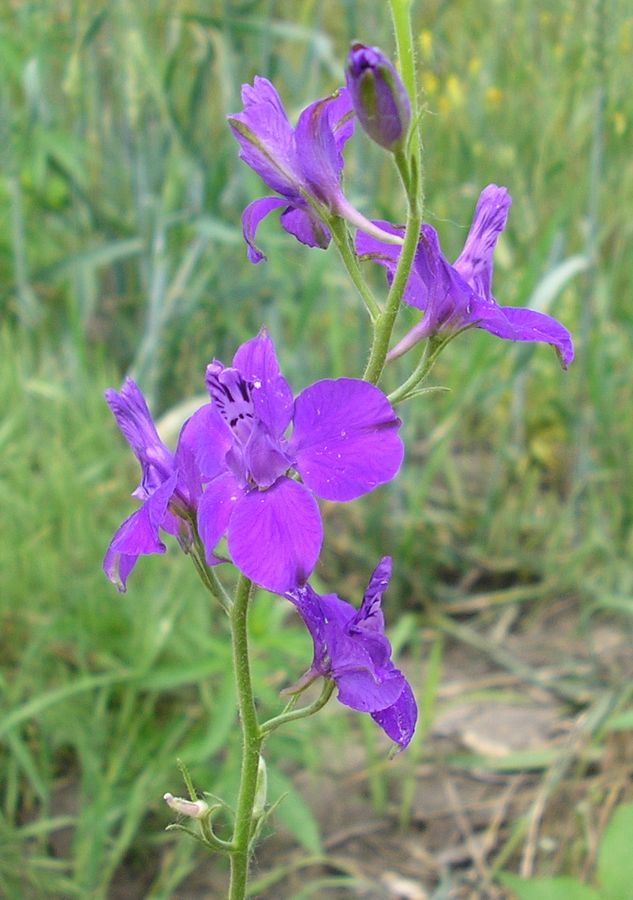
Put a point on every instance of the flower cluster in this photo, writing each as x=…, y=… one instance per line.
x=450, y=297
x=251, y=464
x=235, y=473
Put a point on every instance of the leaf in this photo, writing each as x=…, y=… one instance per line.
x=563, y=888
x=615, y=860
x=294, y=812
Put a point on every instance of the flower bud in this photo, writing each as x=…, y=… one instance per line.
x=378, y=96
x=261, y=789
x=193, y=809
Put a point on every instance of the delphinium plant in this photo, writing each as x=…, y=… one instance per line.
x=241, y=488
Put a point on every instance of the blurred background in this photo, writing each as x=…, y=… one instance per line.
x=510, y=525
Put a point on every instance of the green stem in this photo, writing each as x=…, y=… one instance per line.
x=340, y=235
x=293, y=715
x=401, y=16
x=432, y=350
x=419, y=373
x=206, y=573
x=383, y=327
x=251, y=742
x=411, y=174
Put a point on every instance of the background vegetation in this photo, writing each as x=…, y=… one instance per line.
x=120, y=251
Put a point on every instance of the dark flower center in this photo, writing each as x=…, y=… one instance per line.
x=232, y=395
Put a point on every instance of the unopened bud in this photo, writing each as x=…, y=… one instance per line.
x=261, y=790
x=378, y=96
x=193, y=809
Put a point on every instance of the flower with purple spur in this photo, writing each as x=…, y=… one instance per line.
x=378, y=95
x=300, y=164
x=169, y=488
x=344, y=443
x=350, y=647
x=303, y=165
x=453, y=297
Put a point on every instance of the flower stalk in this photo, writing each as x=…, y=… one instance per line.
x=206, y=573
x=251, y=741
x=401, y=17
x=410, y=170
x=305, y=711
x=383, y=327
x=432, y=349
x=340, y=236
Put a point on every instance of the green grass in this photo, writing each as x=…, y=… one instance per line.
x=120, y=250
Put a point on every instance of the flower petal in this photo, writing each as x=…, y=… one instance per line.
x=275, y=536
x=370, y=616
x=474, y=263
x=305, y=227
x=341, y=118
x=318, y=151
x=448, y=298
x=135, y=422
x=345, y=440
x=316, y=611
x=215, y=509
x=370, y=249
x=520, y=324
x=369, y=689
x=138, y=535
x=129, y=408
x=251, y=217
x=263, y=458
x=257, y=362
x=266, y=138
x=117, y=567
x=201, y=438
x=398, y=721
x=208, y=437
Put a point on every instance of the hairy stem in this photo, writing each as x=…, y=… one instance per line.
x=251, y=742
x=401, y=17
x=340, y=235
x=432, y=349
x=206, y=573
x=410, y=173
x=383, y=327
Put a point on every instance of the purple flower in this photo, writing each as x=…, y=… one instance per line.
x=169, y=488
x=299, y=163
x=350, y=647
x=455, y=296
x=378, y=96
x=343, y=444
